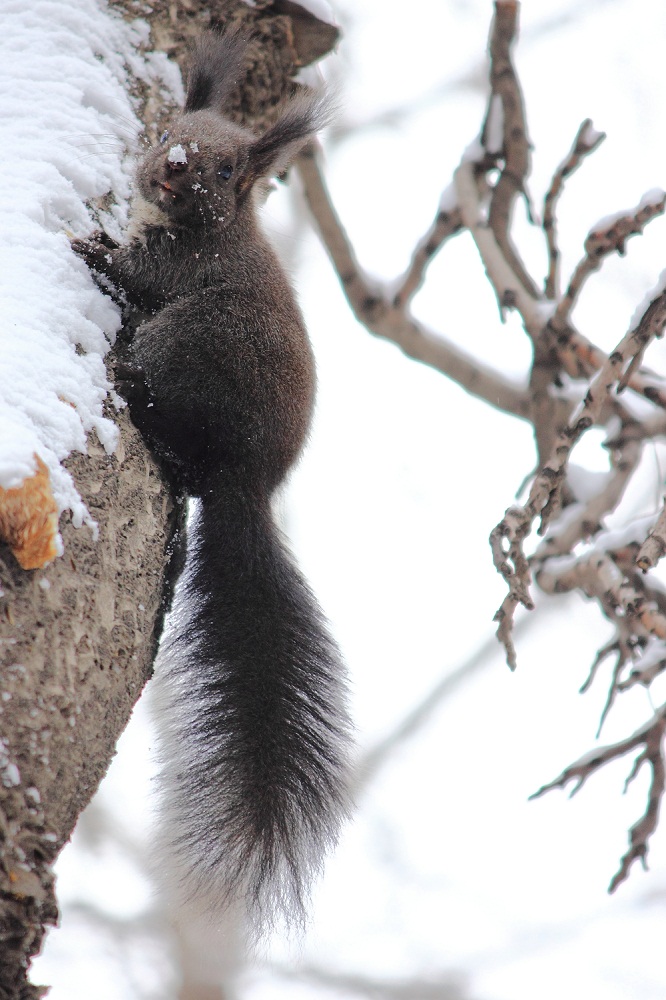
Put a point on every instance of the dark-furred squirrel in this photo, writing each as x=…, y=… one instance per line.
x=220, y=380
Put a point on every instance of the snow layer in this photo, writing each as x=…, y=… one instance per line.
x=658, y=289
x=67, y=121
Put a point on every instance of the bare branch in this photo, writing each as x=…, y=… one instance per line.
x=586, y=141
x=447, y=223
x=650, y=737
x=370, y=305
x=515, y=144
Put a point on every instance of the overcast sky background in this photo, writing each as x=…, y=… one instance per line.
x=447, y=874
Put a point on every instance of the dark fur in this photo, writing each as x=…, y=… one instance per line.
x=221, y=381
x=216, y=67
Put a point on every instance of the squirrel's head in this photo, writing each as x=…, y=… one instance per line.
x=205, y=166
x=193, y=175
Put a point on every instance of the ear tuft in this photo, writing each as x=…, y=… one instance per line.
x=215, y=69
x=299, y=122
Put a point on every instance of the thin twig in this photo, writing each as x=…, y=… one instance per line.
x=447, y=223
x=650, y=737
x=586, y=141
x=606, y=238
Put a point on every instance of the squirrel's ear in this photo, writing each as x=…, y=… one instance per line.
x=215, y=68
x=271, y=153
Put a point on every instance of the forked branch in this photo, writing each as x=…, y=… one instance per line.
x=650, y=737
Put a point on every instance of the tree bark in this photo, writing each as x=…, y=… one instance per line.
x=77, y=641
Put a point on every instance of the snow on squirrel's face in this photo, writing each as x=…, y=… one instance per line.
x=197, y=173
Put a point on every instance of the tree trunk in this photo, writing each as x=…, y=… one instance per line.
x=77, y=642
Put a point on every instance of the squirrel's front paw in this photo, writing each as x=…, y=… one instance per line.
x=96, y=250
x=131, y=383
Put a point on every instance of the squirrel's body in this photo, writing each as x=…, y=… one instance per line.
x=220, y=379
x=252, y=370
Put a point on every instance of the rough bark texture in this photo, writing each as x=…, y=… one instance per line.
x=283, y=38
x=77, y=641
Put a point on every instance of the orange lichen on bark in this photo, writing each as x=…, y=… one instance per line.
x=29, y=519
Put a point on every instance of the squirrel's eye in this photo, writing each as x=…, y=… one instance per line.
x=225, y=172
x=164, y=136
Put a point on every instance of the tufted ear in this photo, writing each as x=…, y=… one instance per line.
x=215, y=69
x=300, y=120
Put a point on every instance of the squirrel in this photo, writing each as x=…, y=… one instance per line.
x=220, y=380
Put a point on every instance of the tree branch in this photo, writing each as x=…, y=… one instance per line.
x=370, y=304
x=606, y=238
x=586, y=141
x=650, y=736
x=515, y=145
x=447, y=223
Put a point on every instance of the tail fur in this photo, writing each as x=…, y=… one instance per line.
x=255, y=763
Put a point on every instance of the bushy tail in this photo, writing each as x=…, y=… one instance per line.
x=255, y=752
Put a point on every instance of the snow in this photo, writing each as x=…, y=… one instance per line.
x=177, y=154
x=651, y=656
x=67, y=124
x=649, y=297
x=633, y=533
x=586, y=483
x=495, y=125
x=591, y=135
x=651, y=199
x=572, y=389
x=474, y=152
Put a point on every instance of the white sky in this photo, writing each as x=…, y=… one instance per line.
x=447, y=871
